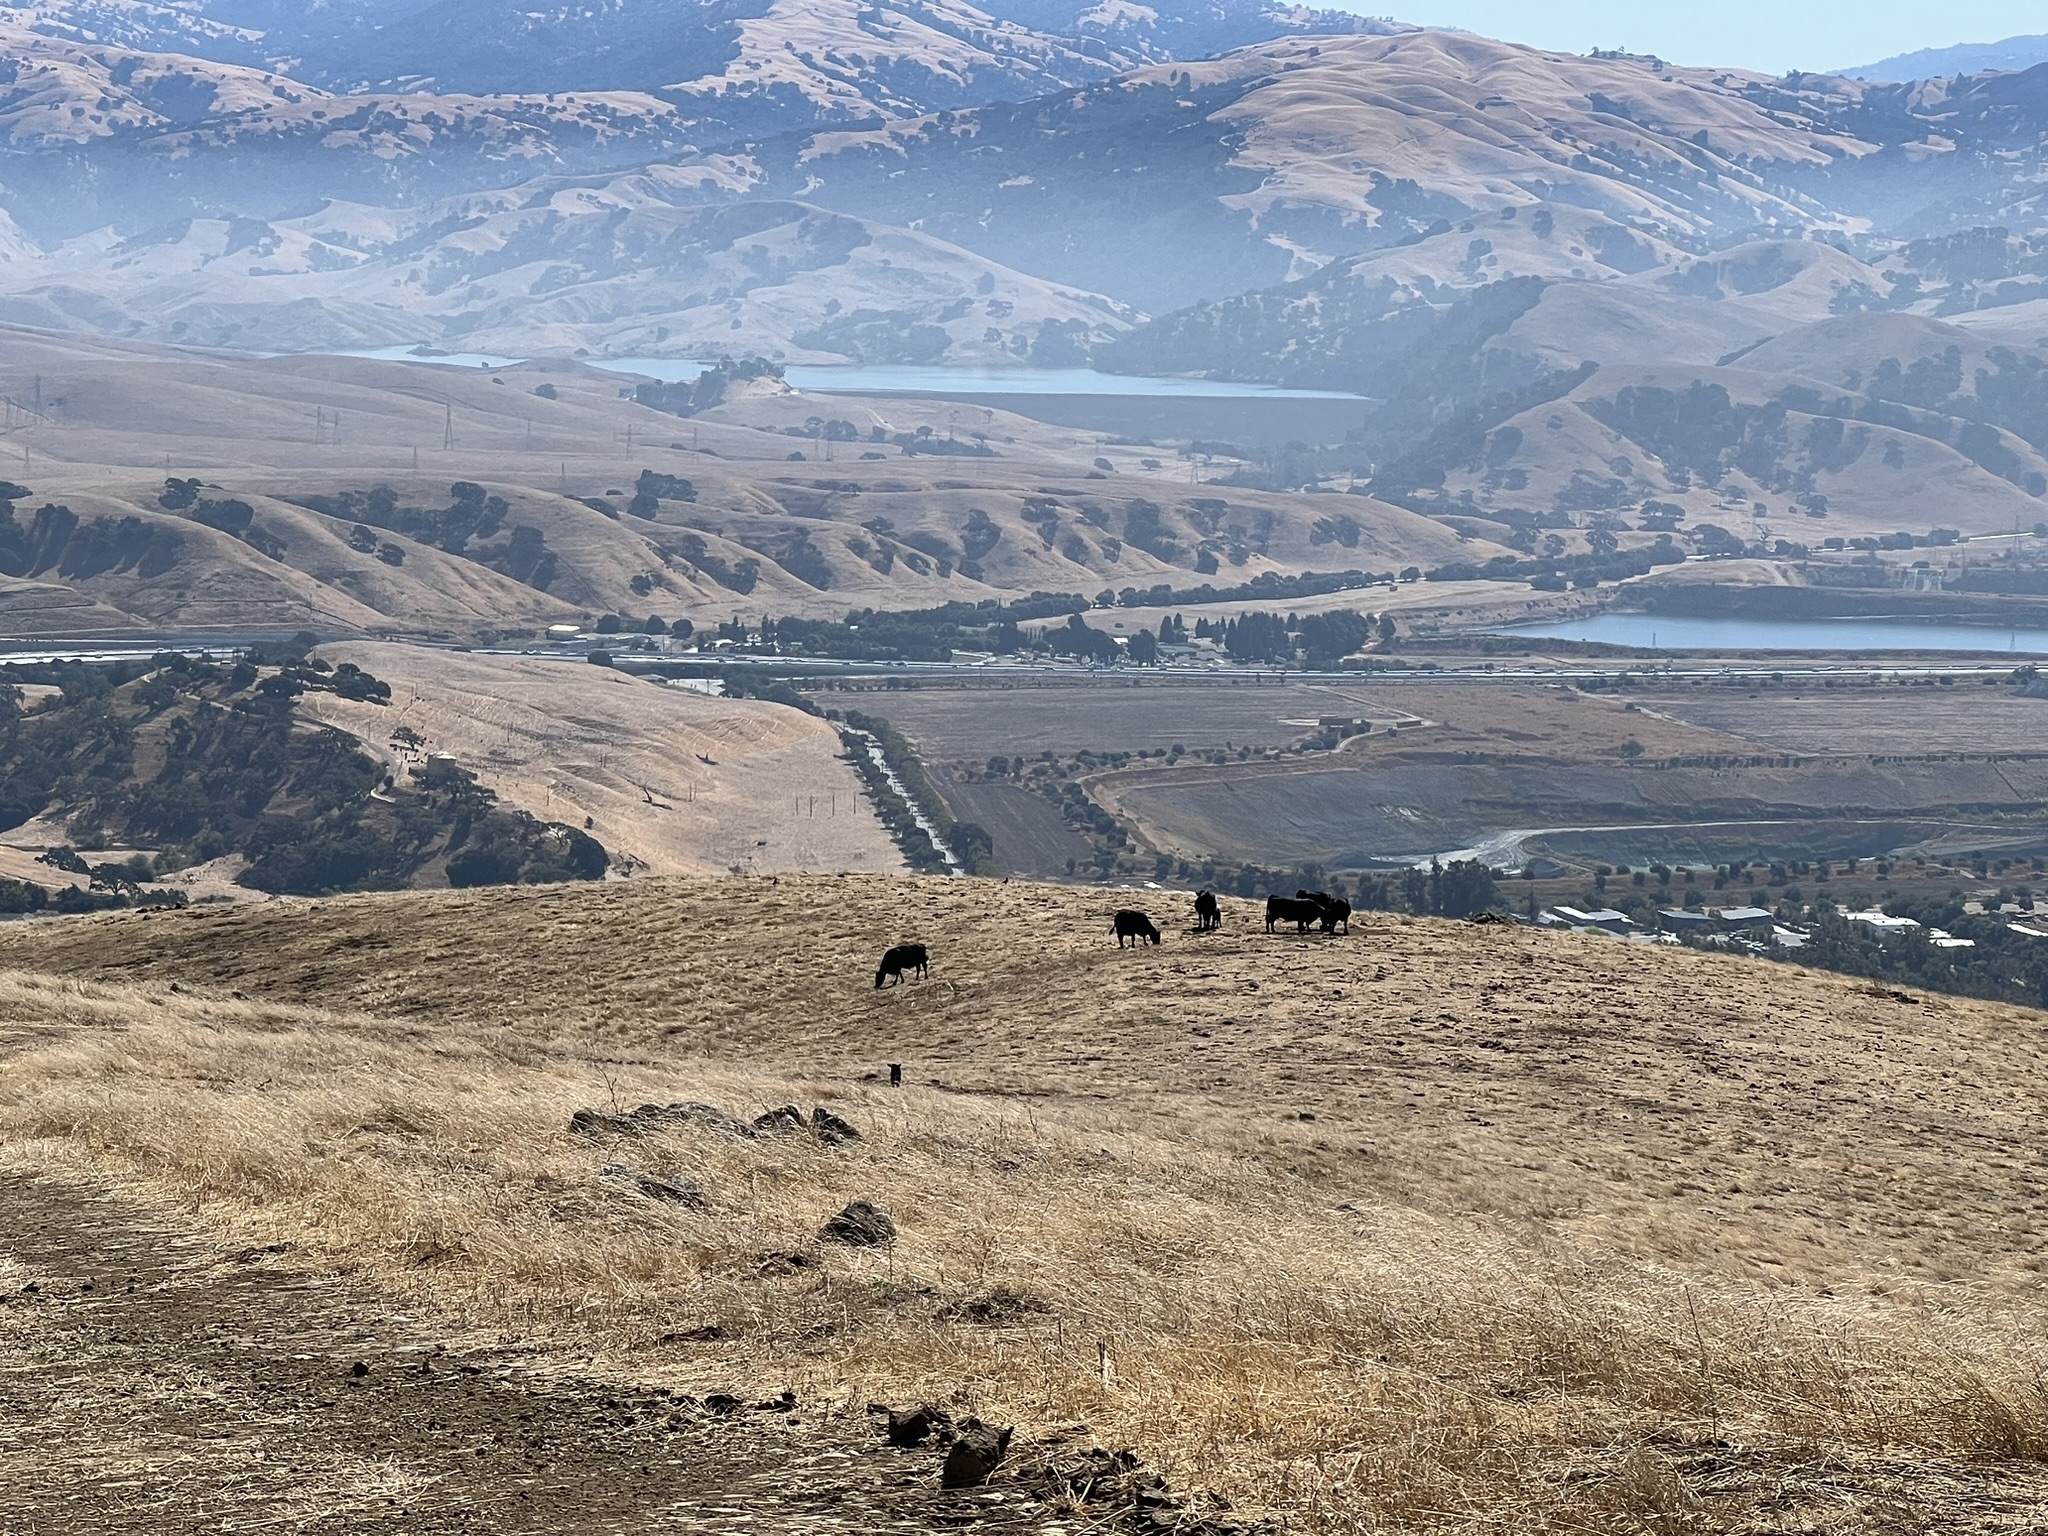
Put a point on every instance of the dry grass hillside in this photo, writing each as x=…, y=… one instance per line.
x=1428, y=1228
x=773, y=516
x=672, y=782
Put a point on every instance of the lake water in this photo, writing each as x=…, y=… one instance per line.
x=1650, y=631
x=905, y=378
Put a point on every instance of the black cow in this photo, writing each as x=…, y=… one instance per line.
x=1208, y=912
x=899, y=961
x=1336, y=912
x=1283, y=909
x=1136, y=927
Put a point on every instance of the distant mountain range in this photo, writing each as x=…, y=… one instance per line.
x=833, y=55
x=1464, y=230
x=2015, y=53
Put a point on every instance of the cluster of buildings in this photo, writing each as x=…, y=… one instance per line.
x=1744, y=927
x=1755, y=929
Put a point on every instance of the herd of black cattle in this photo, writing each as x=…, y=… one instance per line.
x=1304, y=909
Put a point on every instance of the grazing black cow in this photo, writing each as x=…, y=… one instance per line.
x=901, y=960
x=1136, y=927
x=1336, y=912
x=1208, y=912
x=1283, y=909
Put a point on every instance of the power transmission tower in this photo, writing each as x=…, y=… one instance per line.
x=448, y=427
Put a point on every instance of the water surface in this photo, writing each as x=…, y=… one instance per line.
x=900, y=378
x=1652, y=631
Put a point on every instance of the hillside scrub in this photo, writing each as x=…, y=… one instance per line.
x=194, y=761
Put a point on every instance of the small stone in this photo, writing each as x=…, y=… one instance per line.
x=860, y=1225
x=722, y=1404
x=916, y=1426
x=707, y=1117
x=832, y=1130
x=359, y=1370
x=977, y=1452
x=673, y=1191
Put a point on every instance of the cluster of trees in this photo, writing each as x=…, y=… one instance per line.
x=235, y=518
x=473, y=515
x=1701, y=432
x=1554, y=573
x=55, y=539
x=934, y=634
x=969, y=842
x=1266, y=587
x=653, y=624
x=894, y=812
x=232, y=770
x=710, y=388
x=652, y=489
x=1325, y=639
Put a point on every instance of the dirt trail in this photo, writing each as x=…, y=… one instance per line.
x=152, y=1383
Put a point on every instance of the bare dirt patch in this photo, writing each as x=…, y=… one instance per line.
x=155, y=1382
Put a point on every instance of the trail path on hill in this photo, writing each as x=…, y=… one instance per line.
x=152, y=1383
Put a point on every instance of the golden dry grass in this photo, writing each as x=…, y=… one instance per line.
x=1501, y=1276
x=672, y=781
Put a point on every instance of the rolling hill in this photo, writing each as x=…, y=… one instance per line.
x=1564, y=1231
x=168, y=491
x=629, y=265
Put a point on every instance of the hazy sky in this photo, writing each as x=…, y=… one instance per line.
x=1776, y=35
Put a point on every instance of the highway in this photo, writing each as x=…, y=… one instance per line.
x=1000, y=672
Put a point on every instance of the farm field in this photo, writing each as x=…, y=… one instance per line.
x=1349, y=809
x=1432, y=1227
x=1031, y=838
x=974, y=724
x=1853, y=721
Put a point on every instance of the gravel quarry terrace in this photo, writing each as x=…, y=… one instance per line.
x=1432, y=1227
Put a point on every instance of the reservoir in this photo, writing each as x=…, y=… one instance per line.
x=1224, y=415
x=904, y=378
x=1651, y=631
